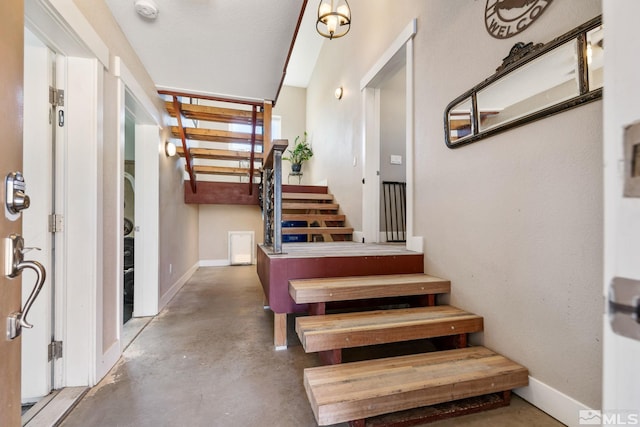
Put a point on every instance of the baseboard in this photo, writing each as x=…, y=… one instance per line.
x=555, y=403
x=107, y=361
x=176, y=286
x=214, y=262
x=357, y=236
x=415, y=243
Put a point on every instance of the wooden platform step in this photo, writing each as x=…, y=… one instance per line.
x=313, y=217
x=358, y=390
x=347, y=330
x=365, y=287
x=309, y=206
x=317, y=230
x=214, y=114
x=214, y=135
x=213, y=154
x=306, y=196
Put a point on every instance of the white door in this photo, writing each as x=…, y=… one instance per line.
x=621, y=374
x=40, y=120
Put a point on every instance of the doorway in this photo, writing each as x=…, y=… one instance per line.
x=397, y=59
x=128, y=291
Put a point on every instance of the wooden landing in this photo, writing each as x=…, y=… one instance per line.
x=328, y=259
x=356, y=391
x=347, y=330
x=353, y=288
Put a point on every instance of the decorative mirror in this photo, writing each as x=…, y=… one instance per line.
x=533, y=82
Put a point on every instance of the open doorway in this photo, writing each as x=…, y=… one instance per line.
x=128, y=291
x=393, y=173
x=383, y=139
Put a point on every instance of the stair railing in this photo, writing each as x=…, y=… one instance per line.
x=395, y=210
x=185, y=143
x=272, y=195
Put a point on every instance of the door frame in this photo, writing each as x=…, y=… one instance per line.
x=399, y=53
x=63, y=28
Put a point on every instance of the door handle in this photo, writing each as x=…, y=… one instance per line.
x=624, y=307
x=14, y=264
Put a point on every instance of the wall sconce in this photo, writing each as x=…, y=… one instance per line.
x=170, y=149
x=338, y=93
x=334, y=18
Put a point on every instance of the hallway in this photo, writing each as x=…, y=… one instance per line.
x=207, y=360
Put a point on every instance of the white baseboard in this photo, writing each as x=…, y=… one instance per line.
x=107, y=361
x=357, y=236
x=214, y=262
x=415, y=243
x=555, y=403
x=176, y=287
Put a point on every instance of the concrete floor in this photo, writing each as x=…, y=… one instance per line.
x=208, y=360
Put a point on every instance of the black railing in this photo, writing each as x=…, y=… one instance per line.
x=394, y=196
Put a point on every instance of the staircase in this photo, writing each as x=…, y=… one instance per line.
x=310, y=214
x=221, y=141
x=362, y=392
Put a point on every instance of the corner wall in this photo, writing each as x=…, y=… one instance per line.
x=515, y=221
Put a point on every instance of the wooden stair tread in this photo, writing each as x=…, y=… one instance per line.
x=358, y=390
x=317, y=230
x=214, y=135
x=306, y=196
x=214, y=114
x=223, y=170
x=312, y=217
x=311, y=206
x=213, y=154
x=347, y=330
x=363, y=287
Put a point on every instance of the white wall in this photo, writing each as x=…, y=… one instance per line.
x=292, y=108
x=515, y=221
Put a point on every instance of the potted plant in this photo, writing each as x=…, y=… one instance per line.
x=301, y=151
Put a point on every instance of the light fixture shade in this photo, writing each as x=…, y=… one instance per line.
x=334, y=18
x=170, y=149
x=338, y=93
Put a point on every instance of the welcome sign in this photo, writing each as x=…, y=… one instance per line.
x=506, y=18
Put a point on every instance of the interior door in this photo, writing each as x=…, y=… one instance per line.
x=621, y=356
x=11, y=51
x=40, y=122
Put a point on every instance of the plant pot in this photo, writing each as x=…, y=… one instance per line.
x=296, y=167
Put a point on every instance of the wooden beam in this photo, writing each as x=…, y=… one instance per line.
x=221, y=193
x=254, y=125
x=185, y=146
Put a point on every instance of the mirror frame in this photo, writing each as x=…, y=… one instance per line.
x=520, y=55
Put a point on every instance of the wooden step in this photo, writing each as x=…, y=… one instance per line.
x=317, y=230
x=288, y=188
x=310, y=206
x=214, y=135
x=214, y=114
x=223, y=170
x=306, y=196
x=312, y=217
x=347, y=330
x=364, y=287
x=212, y=154
x=356, y=391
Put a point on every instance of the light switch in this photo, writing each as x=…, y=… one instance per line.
x=396, y=159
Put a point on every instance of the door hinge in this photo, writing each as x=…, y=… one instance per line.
x=55, y=350
x=56, y=97
x=56, y=223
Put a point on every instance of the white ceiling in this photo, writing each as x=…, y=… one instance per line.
x=231, y=48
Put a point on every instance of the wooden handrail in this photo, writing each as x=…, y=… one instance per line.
x=210, y=97
x=293, y=42
x=278, y=145
x=185, y=146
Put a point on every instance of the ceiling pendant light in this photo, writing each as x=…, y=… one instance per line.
x=334, y=18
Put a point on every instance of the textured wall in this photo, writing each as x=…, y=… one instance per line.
x=515, y=221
